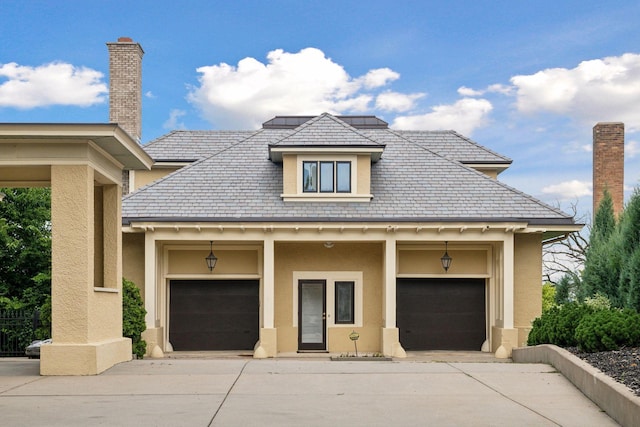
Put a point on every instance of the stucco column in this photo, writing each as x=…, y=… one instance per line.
x=153, y=335
x=506, y=337
x=86, y=316
x=267, y=346
x=390, y=334
x=508, y=282
x=150, y=279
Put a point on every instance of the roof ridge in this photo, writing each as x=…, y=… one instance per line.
x=335, y=120
x=153, y=141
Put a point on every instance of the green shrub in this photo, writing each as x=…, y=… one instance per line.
x=133, y=313
x=604, y=330
x=558, y=325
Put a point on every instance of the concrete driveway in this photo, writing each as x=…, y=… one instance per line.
x=296, y=392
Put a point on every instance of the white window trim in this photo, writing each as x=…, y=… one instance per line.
x=301, y=196
x=327, y=158
x=331, y=277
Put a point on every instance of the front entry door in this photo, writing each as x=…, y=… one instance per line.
x=312, y=314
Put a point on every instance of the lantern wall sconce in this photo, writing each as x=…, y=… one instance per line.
x=211, y=258
x=446, y=259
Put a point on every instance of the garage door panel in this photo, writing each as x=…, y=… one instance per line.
x=441, y=314
x=214, y=315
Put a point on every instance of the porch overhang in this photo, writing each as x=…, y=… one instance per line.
x=17, y=142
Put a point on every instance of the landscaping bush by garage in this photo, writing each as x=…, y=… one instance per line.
x=558, y=325
x=610, y=329
x=592, y=326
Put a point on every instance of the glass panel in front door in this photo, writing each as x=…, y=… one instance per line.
x=312, y=315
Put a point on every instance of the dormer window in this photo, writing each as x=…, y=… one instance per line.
x=326, y=176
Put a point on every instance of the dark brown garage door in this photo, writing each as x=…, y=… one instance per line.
x=214, y=314
x=441, y=314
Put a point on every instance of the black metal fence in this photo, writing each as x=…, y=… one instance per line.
x=17, y=330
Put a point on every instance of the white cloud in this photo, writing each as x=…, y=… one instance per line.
x=500, y=88
x=631, y=149
x=56, y=83
x=465, y=115
x=597, y=90
x=306, y=82
x=172, y=122
x=379, y=77
x=149, y=94
x=569, y=189
x=394, y=101
x=494, y=88
x=467, y=91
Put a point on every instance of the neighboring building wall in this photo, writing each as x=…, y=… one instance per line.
x=608, y=164
x=527, y=283
x=297, y=257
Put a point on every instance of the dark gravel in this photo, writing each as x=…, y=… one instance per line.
x=622, y=365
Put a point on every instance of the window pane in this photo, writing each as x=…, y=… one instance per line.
x=310, y=177
x=326, y=177
x=343, y=177
x=345, y=302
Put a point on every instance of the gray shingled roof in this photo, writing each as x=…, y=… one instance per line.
x=326, y=130
x=190, y=145
x=410, y=183
x=450, y=144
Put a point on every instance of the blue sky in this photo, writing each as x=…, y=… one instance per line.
x=526, y=79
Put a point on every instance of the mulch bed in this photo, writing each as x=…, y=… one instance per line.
x=622, y=365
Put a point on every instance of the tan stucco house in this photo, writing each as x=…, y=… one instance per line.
x=324, y=225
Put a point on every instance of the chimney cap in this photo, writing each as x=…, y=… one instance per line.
x=125, y=40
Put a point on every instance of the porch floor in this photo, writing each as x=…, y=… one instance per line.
x=414, y=356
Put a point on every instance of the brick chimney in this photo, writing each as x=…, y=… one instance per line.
x=608, y=164
x=125, y=90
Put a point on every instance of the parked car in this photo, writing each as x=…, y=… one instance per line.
x=33, y=350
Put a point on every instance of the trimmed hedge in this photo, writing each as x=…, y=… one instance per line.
x=558, y=325
x=592, y=327
x=605, y=330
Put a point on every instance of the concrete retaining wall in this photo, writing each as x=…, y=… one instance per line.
x=618, y=401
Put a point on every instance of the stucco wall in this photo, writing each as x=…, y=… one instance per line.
x=143, y=177
x=289, y=174
x=133, y=259
x=364, y=175
x=230, y=261
x=527, y=283
x=466, y=260
x=367, y=258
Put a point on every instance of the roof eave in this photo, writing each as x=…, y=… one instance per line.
x=276, y=151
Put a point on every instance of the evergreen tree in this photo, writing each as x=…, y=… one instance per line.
x=629, y=242
x=602, y=262
x=567, y=289
x=630, y=281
